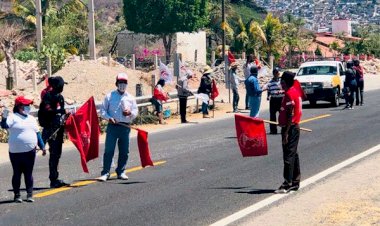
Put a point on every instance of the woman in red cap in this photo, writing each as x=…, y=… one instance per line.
x=24, y=136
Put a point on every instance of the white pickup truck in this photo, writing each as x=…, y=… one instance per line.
x=322, y=80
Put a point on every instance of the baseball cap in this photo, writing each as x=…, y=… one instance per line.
x=21, y=100
x=122, y=77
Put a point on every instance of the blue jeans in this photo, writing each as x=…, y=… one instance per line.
x=204, y=108
x=119, y=134
x=254, y=104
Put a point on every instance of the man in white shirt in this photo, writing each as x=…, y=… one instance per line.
x=119, y=108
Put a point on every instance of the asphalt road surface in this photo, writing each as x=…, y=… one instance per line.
x=202, y=176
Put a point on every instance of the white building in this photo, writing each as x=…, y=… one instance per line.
x=342, y=26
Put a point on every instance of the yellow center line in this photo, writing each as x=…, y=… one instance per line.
x=315, y=118
x=87, y=182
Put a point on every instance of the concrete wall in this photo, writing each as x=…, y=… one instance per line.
x=184, y=43
x=188, y=43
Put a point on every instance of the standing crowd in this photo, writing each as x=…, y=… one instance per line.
x=119, y=108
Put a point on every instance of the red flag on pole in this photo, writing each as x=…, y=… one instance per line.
x=231, y=57
x=298, y=87
x=251, y=136
x=142, y=143
x=83, y=130
x=214, y=90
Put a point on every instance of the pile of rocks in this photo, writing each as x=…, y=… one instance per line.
x=264, y=73
x=372, y=66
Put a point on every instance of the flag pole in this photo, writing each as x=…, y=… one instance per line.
x=276, y=123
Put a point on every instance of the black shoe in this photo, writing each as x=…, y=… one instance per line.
x=29, y=198
x=295, y=186
x=273, y=133
x=286, y=188
x=17, y=198
x=58, y=184
x=361, y=104
x=185, y=121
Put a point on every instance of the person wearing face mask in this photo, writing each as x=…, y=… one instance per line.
x=24, y=136
x=51, y=116
x=120, y=109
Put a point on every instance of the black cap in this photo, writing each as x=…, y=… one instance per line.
x=276, y=70
x=254, y=70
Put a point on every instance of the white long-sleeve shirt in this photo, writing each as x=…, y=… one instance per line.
x=115, y=103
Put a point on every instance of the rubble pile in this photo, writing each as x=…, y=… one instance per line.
x=372, y=66
x=264, y=73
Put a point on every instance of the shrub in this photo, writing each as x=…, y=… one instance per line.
x=57, y=55
x=26, y=55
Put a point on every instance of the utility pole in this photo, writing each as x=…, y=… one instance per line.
x=91, y=30
x=38, y=24
x=226, y=74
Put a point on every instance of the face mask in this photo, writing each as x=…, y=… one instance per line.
x=121, y=87
x=26, y=110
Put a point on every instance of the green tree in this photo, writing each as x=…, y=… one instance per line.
x=272, y=31
x=165, y=17
x=335, y=46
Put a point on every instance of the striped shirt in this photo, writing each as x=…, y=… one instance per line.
x=274, y=89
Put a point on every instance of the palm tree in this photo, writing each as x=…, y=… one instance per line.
x=272, y=28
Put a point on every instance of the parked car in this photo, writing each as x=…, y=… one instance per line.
x=322, y=80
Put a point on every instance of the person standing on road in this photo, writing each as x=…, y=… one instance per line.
x=120, y=109
x=359, y=71
x=289, y=119
x=235, y=81
x=247, y=72
x=183, y=93
x=350, y=82
x=159, y=96
x=254, y=92
x=205, y=89
x=51, y=116
x=275, y=95
x=24, y=136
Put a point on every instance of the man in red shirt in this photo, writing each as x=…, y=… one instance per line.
x=289, y=118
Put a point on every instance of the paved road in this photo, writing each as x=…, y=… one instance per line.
x=203, y=179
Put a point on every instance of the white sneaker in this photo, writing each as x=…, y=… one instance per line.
x=103, y=178
x=122, y=176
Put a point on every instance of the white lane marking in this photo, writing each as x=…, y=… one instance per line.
x=274, y=198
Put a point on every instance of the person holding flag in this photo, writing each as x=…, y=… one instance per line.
x=119, y=108
x=183, y=93
x=289, y=119
x=205, y=88
x=159, y=96
x=51, y=116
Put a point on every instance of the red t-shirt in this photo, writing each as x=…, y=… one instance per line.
x=292, y=99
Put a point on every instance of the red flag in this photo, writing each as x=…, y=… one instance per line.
x=231, y=57
x=214, y=90
x=83, y=130
x=142, y=143
x=298, y=87
x=251, y=136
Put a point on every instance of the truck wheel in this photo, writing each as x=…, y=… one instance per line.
x=335, y=100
